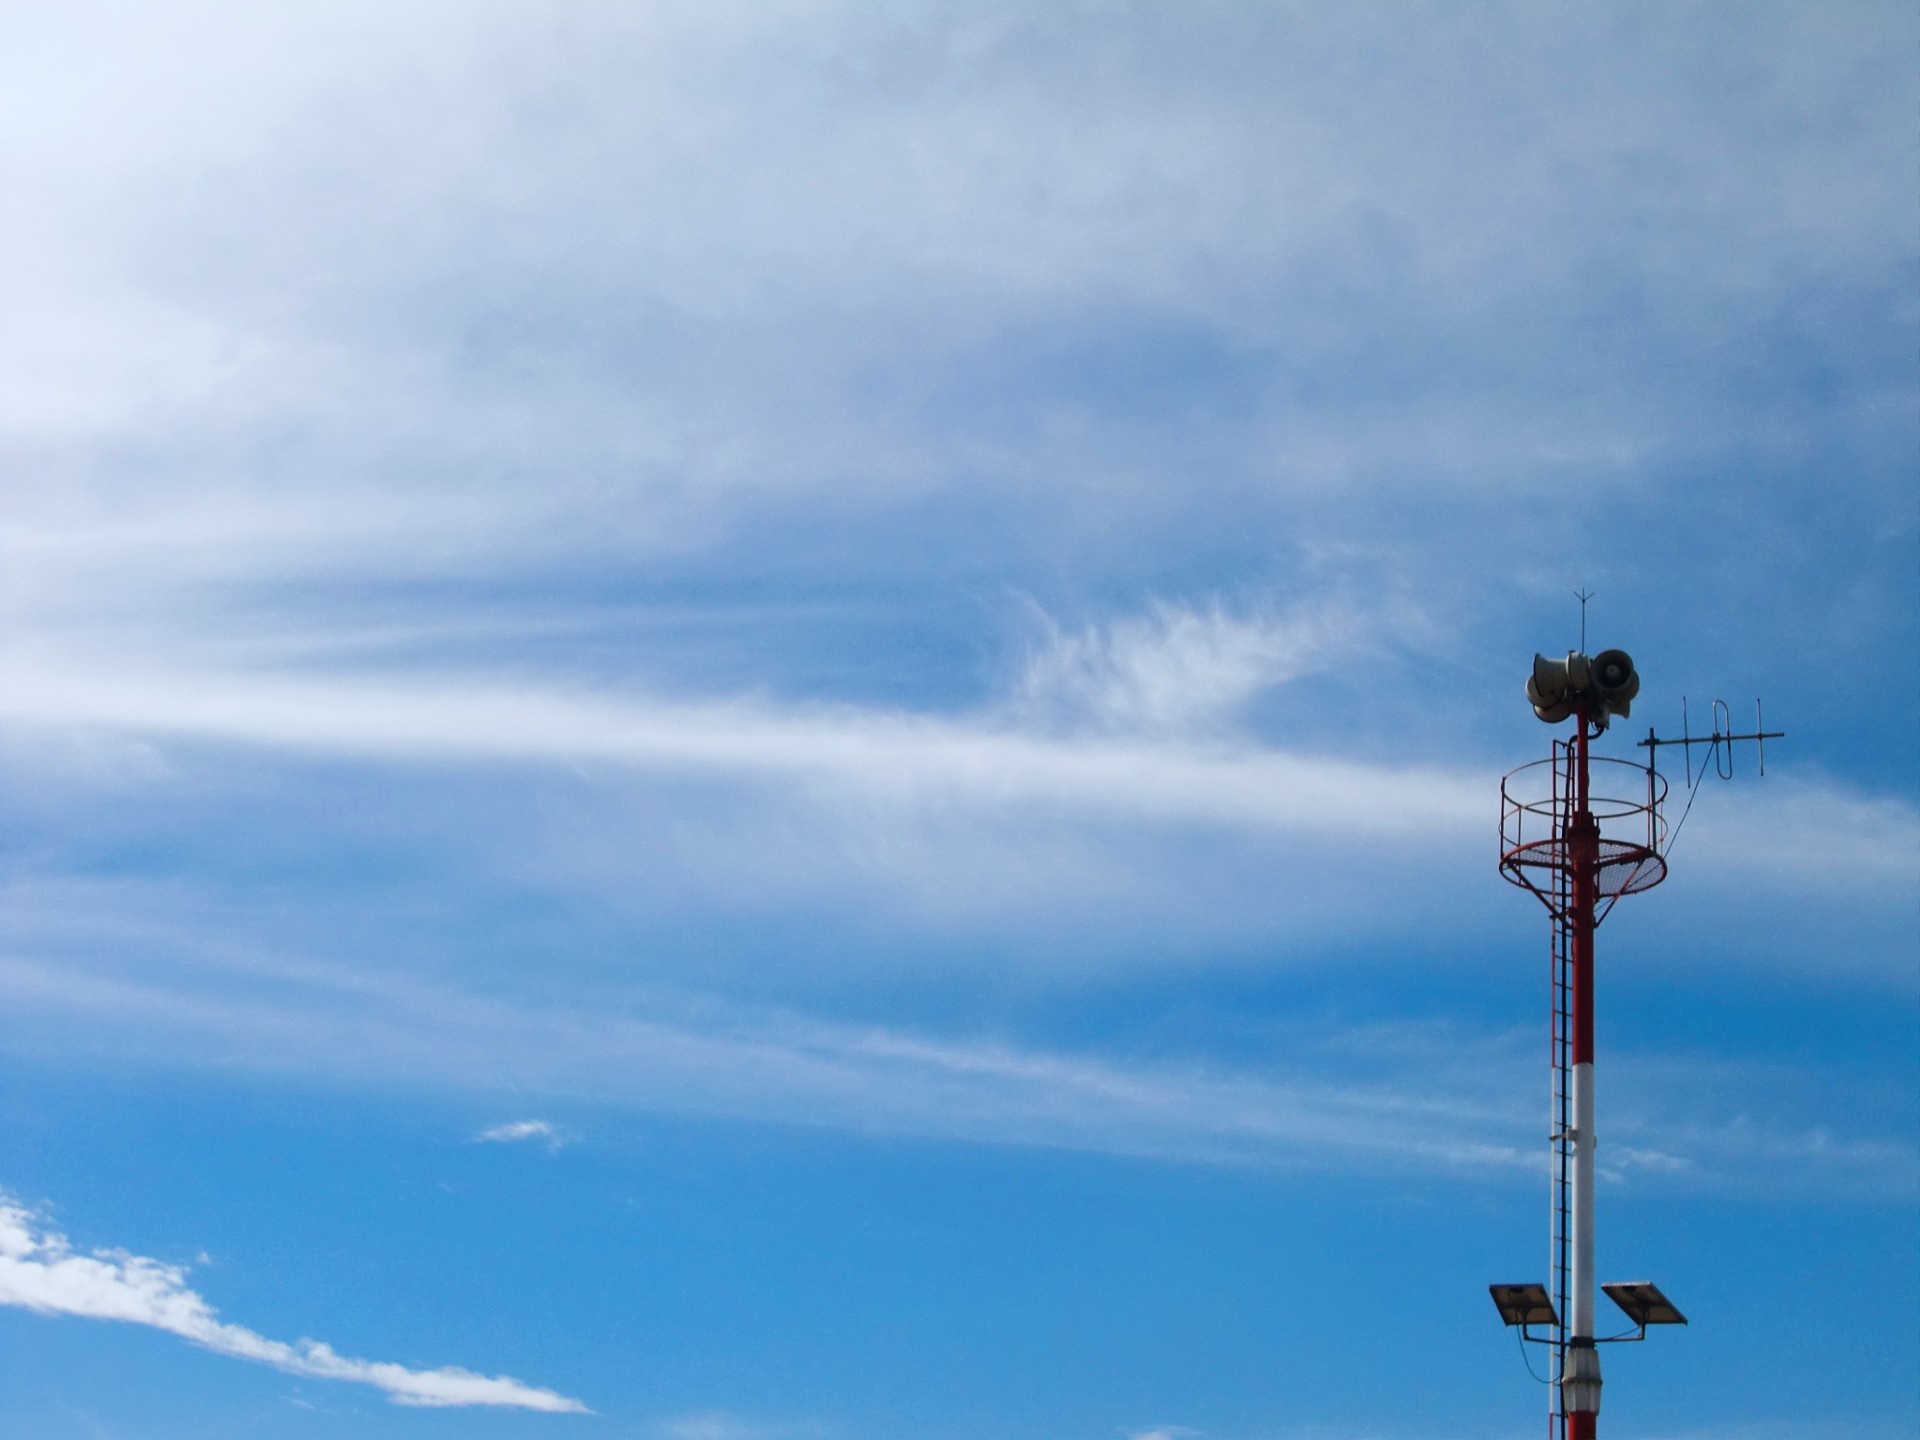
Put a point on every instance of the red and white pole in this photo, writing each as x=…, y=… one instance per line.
x=1580, y=1381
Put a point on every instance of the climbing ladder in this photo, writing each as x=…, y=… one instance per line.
x=1561, y=1060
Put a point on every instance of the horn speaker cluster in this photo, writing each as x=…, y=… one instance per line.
x=1603, y=685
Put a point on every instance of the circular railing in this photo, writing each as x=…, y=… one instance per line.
x=1537, y=806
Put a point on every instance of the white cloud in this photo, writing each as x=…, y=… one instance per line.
x=514, y=1131
x=718, y=1425
x=1817, y=834
x=39, y=1271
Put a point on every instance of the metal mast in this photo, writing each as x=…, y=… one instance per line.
x=1580, y=830
x=1580, y=1361
x=1578, y=848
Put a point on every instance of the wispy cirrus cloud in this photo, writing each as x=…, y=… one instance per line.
x=1365, y=1098
x=41, y=1271
x=1175, y=668
x=787, y=1067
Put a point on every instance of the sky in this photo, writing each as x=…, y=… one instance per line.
x=783, y=721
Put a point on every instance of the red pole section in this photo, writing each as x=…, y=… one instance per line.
x=1583, y=850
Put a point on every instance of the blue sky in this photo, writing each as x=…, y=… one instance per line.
x=783, y=721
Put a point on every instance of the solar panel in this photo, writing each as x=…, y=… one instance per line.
x=1524, y=1304
x=1644, y=1303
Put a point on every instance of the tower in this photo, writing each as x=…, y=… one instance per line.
x=1579, y=831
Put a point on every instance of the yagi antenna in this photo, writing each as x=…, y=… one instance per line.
x=1721, y=735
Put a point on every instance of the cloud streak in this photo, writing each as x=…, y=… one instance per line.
x=769, y=1065
x=1376, y=1099
x=993, y=761
x=895, y=754
x=41, y=1272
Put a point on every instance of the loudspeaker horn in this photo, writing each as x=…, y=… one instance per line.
x=1616, y=680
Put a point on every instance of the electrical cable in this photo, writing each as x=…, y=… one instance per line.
x=1692, y=790
x=1521, y=1341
